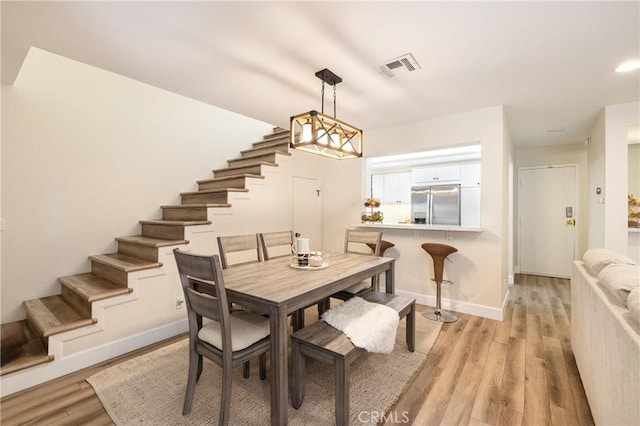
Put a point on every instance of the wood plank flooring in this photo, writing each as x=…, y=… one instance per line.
x=479, y=372
x=520, y=371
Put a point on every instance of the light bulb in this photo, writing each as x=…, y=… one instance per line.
x=306, y=132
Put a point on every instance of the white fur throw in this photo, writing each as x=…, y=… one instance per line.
x=369, y=325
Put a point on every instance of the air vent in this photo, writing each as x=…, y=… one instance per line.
x=401, y=64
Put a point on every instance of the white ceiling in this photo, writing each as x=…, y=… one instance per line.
x=549, y=63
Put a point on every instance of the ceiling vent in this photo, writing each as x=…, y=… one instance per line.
x=401, y=64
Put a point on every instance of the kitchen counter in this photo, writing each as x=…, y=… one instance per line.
x=419, y=227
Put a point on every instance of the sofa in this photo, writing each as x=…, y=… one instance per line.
x=605, y=334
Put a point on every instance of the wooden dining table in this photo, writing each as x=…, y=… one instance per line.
x=277, y=289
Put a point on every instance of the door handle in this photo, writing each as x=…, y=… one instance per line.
x=571, y=222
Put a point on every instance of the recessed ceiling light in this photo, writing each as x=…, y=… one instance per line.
x=558, y=130
x=628, y=66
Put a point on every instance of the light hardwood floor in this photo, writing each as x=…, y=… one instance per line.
x=480, y=371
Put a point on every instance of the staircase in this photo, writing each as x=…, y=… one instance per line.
x=25, y=343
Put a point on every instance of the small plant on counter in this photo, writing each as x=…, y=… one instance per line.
x=371, y=203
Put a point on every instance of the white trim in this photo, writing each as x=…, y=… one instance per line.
x=20, y=380
x=461, y=306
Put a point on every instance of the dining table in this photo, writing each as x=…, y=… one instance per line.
x=277, y=288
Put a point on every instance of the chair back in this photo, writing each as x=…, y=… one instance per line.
x=276, y=244
x=354, y=238
x=245, y=249
x=204, y=293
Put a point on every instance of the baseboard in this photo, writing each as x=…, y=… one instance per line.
x=460, y=306
x=24, y=379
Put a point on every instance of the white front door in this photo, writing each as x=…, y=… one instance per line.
x=546, y=218
x=307, y=210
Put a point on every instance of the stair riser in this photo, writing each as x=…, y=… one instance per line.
x=221, y=184
x=168, y=232
x=185, y=214
x=269, y=158
x=114, y=275
x=138, y=250
x=206, y=198
x=76, y=301
x=249, y=170
x=284, y=148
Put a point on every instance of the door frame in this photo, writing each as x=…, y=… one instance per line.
x=300, y=179
x=576, y=207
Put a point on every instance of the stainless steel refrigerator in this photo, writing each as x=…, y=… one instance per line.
x=435, y=204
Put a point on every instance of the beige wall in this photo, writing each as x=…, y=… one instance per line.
x=618, y=119
x=480, y=269
x=595, y=203
x=86, y=154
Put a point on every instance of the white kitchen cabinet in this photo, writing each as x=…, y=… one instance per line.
x=470, y=175
x=470, y=207
x=397, y=188
x=377, y=184
x=437, y=174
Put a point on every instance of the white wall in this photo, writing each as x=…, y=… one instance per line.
x=608, y=169
x=86, y=154
x=618, y=119
x=595, y=203
x=480, y=268
x=564, y=154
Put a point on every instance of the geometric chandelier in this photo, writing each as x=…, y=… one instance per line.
x=322, y=134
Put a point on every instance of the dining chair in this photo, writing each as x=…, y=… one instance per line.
x=354, y=242
x=278, y=244
x=242, y=248
x=228, y=339
x=275, y=244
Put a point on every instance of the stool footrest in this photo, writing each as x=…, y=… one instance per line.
x=443, y=281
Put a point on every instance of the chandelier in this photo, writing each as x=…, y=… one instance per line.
x=319, y=133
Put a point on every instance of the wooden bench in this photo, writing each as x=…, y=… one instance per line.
x=327, y=344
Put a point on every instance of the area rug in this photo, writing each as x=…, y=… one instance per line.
x=149, y=389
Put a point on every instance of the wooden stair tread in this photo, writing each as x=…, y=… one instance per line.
x=257, y=163
x=24, y=362
x=191, y=206
x=176, y=222
x=231, y=177
x=52, y=315
x=260, y=154
x=272, y=143
x=20, y=348
x=150, y=241
x=91, y=287
x=215, y=191
x=283, y=133
x=124, y=263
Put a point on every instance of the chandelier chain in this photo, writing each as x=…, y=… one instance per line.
x=334, y=101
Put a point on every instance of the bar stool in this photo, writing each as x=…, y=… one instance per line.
x=439, y=253
x=384, y=245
